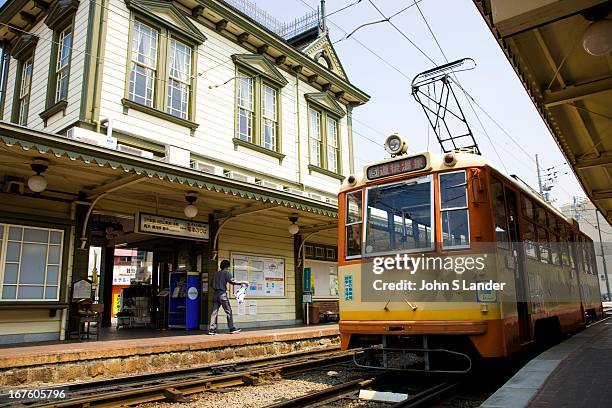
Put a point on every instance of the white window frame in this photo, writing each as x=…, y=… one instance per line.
x=175, y=82
x=152, y=69
x=62, y=70
x=24, y=91
x=442, y=210
x=245, y=107
x=332, y=147
x=3, y=252
x=270, y=121
x=350, y=224
x=315, y=136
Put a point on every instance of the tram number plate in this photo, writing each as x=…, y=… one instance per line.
x=391, y=168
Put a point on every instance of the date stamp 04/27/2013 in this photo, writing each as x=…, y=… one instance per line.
x=32, y=394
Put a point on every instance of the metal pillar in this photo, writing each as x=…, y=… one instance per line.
x=603, y=257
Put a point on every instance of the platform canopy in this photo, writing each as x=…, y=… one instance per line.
x=570, y=87
x=123, y=184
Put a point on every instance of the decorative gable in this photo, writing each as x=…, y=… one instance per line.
x=260, y=65
x=168, y=15
x=325, y=101
x=323, y=52
x=24, y=47
x=60, y=12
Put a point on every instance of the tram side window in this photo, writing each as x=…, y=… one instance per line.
x=555, y=249
x=586, y=264
x=353, y=223
x=539, y=214
x=563, y=245
x=499, y=212
x=529, y=238
x=453, y=210
x=543, y=245
x=527, y=207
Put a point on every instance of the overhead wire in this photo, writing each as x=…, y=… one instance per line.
x=435, y=38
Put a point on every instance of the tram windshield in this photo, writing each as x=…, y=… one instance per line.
x=399, y=217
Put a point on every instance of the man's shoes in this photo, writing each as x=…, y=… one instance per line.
x=212, y=332
x=234, y=331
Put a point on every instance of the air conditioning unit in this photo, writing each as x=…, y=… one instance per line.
x=268, y=184
x=90, y=137
x=332, y=201
x=315, y=196
x=204, y=167
x=134, y=151
x=238, y=176
x=296, y=192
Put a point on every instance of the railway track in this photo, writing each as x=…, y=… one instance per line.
x=176, y=385
x=336, y=395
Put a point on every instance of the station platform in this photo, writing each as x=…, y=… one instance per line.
x=575, y=373
x=69, y=361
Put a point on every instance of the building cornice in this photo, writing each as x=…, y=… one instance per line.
x=282, y=47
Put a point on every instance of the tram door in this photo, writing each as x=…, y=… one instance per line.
x=520, y=279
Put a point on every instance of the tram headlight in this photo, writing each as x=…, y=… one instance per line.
x=395, y=145
x=450, y=159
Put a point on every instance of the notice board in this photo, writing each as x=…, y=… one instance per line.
x=266, y=275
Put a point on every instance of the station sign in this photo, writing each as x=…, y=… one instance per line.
x=168, y=226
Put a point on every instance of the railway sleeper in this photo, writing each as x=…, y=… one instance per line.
x=174, y=395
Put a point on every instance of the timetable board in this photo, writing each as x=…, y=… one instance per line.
x=266, y=275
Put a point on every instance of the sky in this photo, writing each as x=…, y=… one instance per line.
x=461, y=32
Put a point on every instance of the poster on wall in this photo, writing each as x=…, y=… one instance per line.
x=266, y=275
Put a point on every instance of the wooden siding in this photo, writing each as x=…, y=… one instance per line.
x=28, y=322
x=214, y=111
x=242, y=236
x=40, y=76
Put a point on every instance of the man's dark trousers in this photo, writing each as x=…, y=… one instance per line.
x=220, y=300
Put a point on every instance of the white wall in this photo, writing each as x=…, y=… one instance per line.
x=214, y=109
x=40, y=76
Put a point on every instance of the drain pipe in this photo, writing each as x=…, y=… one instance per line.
x=297, y=127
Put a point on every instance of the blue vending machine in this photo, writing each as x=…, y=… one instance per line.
x=184, y=300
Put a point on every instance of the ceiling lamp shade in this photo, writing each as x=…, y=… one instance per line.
x=597, y=39
x=191, y=210
x=293, y=227
x=38, y=183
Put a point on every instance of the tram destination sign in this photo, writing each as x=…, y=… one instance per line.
x=392, y=168
x=168, y=226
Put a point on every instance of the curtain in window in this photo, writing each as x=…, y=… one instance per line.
x=63, y=64
x=269, y=114
x=179, y=79
x=332, y=145
x=315, y=137
x=144, y=64
x=244, y=100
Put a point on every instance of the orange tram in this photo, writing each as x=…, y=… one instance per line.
x=449, y=205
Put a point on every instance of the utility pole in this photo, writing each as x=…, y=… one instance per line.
x=603, y=256
x=323, y=22
x=539, y=176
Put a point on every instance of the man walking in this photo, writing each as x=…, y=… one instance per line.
x=219, y=284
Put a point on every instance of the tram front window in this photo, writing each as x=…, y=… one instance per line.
x=399, y=217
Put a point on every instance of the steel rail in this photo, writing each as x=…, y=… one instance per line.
x=327, y=395
x=427, y=396
x=175, y=384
